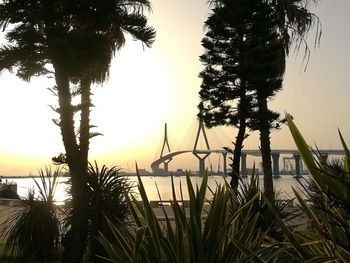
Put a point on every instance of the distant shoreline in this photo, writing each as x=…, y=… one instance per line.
x=3, y=177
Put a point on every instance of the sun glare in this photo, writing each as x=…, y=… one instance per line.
x=133, y=103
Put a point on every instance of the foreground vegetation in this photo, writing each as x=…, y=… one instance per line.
x=230, y=227
x=38, y=228
x=74, y=42
x=230, y=230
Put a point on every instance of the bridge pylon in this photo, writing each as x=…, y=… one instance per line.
x=165, y=149
x=201, y=156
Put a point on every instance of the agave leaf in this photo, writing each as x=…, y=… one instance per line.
x=152, y=222
x=301, y=251
x=312, y=217
x=320, y=259
x=191, y=195
x=112, y=254
x=305, y=152
x=203, y=190
x=251, y=256
x=125, y=246
x=338, y=188
x=182, y=198
x=346, y=158
x=345, y=147
x=343, y=254
x=173, y=187
x=135, y=204
x=171, y=246
x=140, y=233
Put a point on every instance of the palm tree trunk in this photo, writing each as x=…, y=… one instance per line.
x=265, y=149
x=85, y=121
x=77, y=238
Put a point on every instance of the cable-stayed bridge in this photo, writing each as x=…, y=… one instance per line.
x=166, y=156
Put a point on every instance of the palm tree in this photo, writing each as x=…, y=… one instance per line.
x=57, y=33
x=295, y=22
x=266, y=67
x=102, y=31
x=98, y=34
x=291, y=22
x=246, y=48
x=39, y=35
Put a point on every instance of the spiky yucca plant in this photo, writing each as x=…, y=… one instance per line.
x=266, y=223
x=107, y=191
x=214, y=233
x=329, y=218
x=33, y=229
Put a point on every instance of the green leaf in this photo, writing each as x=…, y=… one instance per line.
x=301, y=252
x=140, y=233
x=346, y=158
x=305, y=152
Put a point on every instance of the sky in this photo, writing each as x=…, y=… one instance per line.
x=150, y=87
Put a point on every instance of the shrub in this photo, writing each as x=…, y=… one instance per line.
x=199, y=234
x=107, y=191
x=266, y=222
x=33, y=230
x=329, y=193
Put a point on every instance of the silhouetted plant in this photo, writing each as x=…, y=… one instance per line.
x=74, y=41
x=223, y=232
x=328, y=190
x=266, y=223
x=107, y=191
x=334, y=169
x=33, y=229
x=200, y=233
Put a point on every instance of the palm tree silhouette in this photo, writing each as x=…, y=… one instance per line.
x=77, y=39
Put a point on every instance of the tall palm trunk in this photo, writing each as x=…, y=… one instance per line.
x=265, y=149
x=77, y=237
x=85, y=121
x=85, y=93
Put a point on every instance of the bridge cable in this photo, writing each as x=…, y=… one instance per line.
x=189, y=136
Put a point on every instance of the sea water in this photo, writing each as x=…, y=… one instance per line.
x=160, y=186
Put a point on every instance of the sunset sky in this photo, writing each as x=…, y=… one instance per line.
x=148, y=87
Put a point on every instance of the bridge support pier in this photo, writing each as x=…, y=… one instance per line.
x=166, y=166
x=297, y=164
x=323, y=158
x=201, y=167
x=244, y=164
x=225, y=163
x=275, y=164
x=201, y=159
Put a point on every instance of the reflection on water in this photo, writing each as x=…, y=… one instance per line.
x=283, y=185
